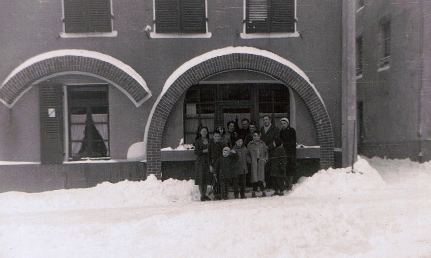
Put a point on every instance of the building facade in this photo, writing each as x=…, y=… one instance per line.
x=393, y=79
x=94, y=90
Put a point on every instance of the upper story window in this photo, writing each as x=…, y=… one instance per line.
x=180, y=16
x=270, y=16
x=87, y=16
x=385, y=43
x=359, y=55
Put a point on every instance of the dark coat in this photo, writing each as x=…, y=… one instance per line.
x=202, y=163
x=278, y=162
x=226, y=167
x=288, y=137
x=269, y=136
x=243, y=159
x=215, y=151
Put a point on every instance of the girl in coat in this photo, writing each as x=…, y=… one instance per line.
x=202, y=164
x=259, y=155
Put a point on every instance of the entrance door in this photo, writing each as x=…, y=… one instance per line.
x=236, y=114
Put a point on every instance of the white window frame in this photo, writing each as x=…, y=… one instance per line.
x=111, y=34
x=155, y=35
x=245, y=35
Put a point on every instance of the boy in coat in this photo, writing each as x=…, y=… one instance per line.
x=225, y=169
x=242, y=169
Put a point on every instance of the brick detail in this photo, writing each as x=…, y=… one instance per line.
x=21, y=81
x=251, y=62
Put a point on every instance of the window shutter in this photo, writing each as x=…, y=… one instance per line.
x=82, y=16
x=282, y=15
x=193, y=18
x=99, y=15
x=75, y=16
x=167, y=16
x=51, y=123
x=257, y=16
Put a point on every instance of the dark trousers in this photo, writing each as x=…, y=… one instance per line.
x=258, y=184
x=241, y=182
x=267, y=175
x=278, y=183
x=225, y=183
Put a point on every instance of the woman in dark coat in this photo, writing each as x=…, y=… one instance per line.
x=202, y=164
x=288, y=137
x=278, y=163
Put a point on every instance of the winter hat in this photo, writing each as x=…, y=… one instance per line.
x=284, y=119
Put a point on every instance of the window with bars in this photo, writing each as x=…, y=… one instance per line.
x=87, y=16
x=359, y=53
x=266, y=16
x=180, y=16
x=385, y=43
x=88, y=122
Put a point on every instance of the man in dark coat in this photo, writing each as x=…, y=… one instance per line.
x=288, y=137
x=244, y=131
x=268, y=134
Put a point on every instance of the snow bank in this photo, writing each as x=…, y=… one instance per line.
x=106, y=195
x=340, y=181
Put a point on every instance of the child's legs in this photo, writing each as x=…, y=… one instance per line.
x=241, y=182
x=235, y=186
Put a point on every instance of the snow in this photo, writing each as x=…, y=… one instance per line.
x=216, y=53
x=84, y=53
x=382, y=209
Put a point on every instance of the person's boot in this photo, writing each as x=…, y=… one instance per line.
x=281, y=193
x=236, y=195
x=263, y=193
x=253, y=194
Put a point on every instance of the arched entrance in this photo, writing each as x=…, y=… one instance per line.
x=69, y=61
x=236, y=58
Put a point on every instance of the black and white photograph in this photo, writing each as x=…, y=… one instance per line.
x=215, y=128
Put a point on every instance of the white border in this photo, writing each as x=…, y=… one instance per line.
x=217, y=53
x=83, y=53
x=155, y=35
x=111, y=34
x=276, y=35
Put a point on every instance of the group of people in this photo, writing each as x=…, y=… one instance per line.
x=268, y=155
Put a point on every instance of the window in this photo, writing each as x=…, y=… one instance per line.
x=88, y=122
x=87, y=16
x=270, y=16
x=180, y=16
x=385, y=43
x=359, y=53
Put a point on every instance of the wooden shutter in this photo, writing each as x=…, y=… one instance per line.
x=193, y=18
x=282, y=16
x=99, y=15
x=51, y=125
x=82, y=16
x=167, y=16
x=257, y=19
x=75, y=20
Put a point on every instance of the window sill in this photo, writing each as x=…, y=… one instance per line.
x=359, y=76
x=155, y=35
x=269, y=35
x=360, y=9
x=383, y=68
x=111, y=34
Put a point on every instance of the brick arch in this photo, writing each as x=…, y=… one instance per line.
x=69, y=61
x=234, y=58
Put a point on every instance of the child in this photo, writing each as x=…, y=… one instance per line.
x=278, y=163
x=259, y=155
x=242, y=169
x=225, y=168
x=215, y=152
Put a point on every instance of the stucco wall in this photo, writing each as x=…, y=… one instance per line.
x=317, y=51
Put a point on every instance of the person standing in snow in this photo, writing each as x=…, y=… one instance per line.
x=231, y=134
x=259, y=156
x=249, y=137
x=242, y=168
x=288, y=137
x=215, y=153
x=269, y=133
x=202, y=164
x=225, y=168
x=278, y=162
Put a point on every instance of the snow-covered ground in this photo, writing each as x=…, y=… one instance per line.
x=381, y=210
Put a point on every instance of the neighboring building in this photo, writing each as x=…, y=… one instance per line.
x=93, y=90
x=393, y=78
